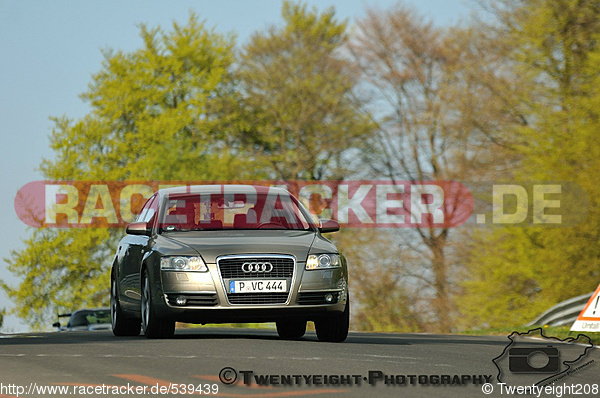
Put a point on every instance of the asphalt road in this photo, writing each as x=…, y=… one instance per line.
x=195, y=357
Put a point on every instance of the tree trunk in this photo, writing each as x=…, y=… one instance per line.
x=442, y=299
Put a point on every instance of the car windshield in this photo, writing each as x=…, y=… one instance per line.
x=217, y=211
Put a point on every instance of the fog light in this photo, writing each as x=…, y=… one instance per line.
x=180, y=300
x=329, y=297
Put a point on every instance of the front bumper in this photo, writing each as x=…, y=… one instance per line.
x=311, y=295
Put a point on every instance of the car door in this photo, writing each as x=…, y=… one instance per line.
x=133, y=248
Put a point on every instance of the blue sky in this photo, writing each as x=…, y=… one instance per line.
x=50, y=49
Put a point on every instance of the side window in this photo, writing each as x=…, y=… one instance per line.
x=142, y=217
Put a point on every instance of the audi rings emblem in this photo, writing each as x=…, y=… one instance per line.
x=257, y=267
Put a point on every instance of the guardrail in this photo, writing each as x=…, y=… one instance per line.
x=563, y=313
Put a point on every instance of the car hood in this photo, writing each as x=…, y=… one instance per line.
x=211, y=244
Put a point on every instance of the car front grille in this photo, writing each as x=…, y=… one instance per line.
x=257, y=298
x=315, y=298
x=193, y=299
x=231, y=268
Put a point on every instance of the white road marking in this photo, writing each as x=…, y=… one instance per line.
x=387, y=356
x=202, y=356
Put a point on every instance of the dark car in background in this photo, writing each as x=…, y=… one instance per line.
x=226, y=254
x=86, y=320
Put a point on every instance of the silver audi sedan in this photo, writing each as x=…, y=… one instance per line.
x=228, y=253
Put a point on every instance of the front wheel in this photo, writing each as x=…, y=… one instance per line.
x=334, y=329
x=120, y=325
x=154, y=327
x=291, y=329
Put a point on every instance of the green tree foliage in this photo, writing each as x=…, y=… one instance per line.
x=515, y=273
x=155, y=114
x=303, y=121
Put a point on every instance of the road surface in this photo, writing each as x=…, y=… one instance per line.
x=195, y=357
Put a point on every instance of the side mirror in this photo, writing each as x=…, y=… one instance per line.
x=138, y=228
x=56, y=325
x=328, y=226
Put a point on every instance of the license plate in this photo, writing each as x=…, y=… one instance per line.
x=258, y=286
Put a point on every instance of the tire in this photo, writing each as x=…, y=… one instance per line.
x=154, y=327
x=334, y=329
x=291, y=329
x=121, y=326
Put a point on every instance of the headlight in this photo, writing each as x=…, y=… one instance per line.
x=180, y=263
x=323, y=261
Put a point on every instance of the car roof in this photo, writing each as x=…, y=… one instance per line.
x=231, y=188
